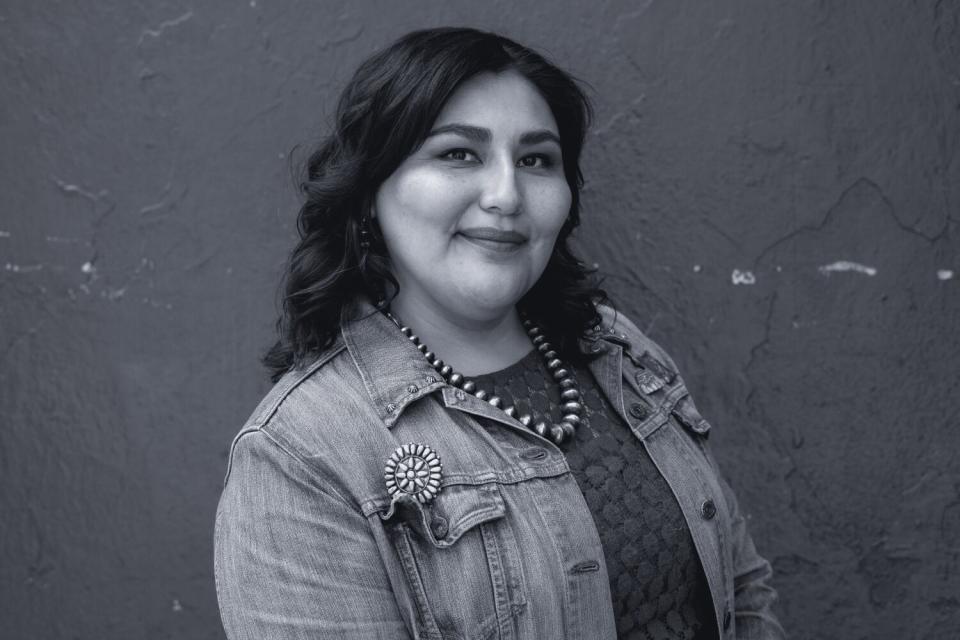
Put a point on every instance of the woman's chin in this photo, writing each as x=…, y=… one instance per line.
x=491, y=298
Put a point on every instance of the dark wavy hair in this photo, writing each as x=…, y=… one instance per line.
x=384, y=114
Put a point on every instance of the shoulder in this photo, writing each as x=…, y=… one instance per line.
x=619, y=327
x=314, y=406
x=316, y=425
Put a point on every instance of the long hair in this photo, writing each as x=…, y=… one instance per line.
x=385, y=112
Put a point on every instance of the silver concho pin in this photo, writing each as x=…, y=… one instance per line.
x=413, y=469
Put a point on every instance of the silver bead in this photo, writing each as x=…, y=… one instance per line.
x=560, y=374
x=572, y=407
x=543, y=348
x=568, y=383
x=541, y=428
x=407, y=331
x=429, y=355
x=446, y=370
x=511, y=411
x=557, y=435
x=526, y=419
x=553, y=363
x=550, y=355
x=538, y=340
x=533, y=331
x=570, y=394
x=414, y=339
x=496, y=401
x=568, y=429
x=469, y=386
x=456, y=379
x=481, y=394
x=527, y=323
x=572, y=418
x=422, y=347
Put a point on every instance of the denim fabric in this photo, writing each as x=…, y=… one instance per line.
x=309, y=544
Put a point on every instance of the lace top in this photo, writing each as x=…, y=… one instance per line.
x=657, y=582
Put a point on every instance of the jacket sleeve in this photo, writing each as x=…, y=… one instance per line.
x=753, y=597
x=294, y=560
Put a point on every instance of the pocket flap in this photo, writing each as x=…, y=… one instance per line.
x=687, y=414
x=455, y=510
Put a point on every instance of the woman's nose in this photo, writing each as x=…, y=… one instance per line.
x=501, y=194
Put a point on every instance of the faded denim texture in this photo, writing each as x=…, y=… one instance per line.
x=309, y=545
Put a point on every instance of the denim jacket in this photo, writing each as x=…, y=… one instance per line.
x=309, y=543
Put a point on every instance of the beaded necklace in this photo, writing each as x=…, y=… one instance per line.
x=571, y=409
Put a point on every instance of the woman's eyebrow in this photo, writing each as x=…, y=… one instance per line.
x=483, y=135
x=541, y=135
x=476, y=134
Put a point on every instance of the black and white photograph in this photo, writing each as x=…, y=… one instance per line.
x=614, y=320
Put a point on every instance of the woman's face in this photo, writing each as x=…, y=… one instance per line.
x=471, y=217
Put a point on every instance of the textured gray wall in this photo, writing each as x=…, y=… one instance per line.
x=744, y=155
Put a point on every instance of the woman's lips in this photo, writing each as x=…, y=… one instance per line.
x=494, y=239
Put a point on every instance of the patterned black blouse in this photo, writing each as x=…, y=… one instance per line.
x=658, y=585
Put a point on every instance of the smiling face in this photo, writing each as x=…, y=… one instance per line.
x=471, y=217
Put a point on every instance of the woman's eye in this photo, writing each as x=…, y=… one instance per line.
x=535, y=161
x=460, y=155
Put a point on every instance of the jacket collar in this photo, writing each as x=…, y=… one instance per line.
x=395, y=373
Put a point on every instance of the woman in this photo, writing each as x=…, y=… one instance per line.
x=539, y=470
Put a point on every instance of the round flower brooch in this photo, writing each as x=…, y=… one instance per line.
x=413, y=469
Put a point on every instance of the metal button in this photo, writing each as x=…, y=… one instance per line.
x=412, y=388
x=439, y=527
x=708, y=509
x=534, y=453
x=726, y=619
x=639, y=411
x=391, y=408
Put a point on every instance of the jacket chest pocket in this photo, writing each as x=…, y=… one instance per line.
x=461, y=561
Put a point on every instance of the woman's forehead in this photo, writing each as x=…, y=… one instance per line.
x=505, y=103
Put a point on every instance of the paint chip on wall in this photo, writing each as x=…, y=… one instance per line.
x=742, y=277
x=846, y=265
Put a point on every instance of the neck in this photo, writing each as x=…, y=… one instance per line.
x=471, y=344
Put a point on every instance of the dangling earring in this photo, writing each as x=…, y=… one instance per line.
x=365, y=234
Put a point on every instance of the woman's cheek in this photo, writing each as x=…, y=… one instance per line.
x=555, y=200
x=434, y=196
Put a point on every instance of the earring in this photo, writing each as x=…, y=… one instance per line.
x=365, y=234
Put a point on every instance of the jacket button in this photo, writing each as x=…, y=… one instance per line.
x=726, y=619
x=708, y=509
x=639, y=411
x=439, y=527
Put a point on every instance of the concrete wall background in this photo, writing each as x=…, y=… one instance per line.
x=743, y=150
